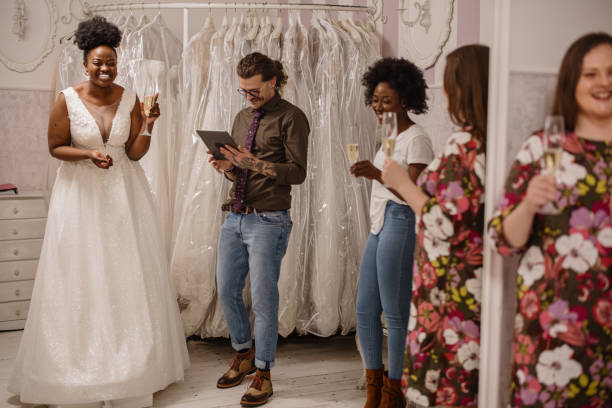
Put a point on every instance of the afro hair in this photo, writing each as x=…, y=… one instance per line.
x=95, y=32
x=401, y=75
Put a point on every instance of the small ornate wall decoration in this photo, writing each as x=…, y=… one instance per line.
x=19, y=19
x=424, y=29
x=24, y=53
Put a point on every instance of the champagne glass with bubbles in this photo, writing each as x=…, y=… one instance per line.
x=352, y=151
x=552, y=146
x=552, y=140
x=388, y=126
x=148, y=100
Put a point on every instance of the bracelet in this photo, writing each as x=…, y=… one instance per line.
x=230, y=169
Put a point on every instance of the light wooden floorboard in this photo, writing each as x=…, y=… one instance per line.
x=310, y=372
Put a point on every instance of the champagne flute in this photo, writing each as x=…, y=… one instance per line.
x=148, y=100
x=352, y=151
x=389, y=132
x=552, y=140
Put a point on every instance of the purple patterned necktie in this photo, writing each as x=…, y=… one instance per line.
x=248, y=144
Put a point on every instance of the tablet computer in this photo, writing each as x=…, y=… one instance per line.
x=214, y=139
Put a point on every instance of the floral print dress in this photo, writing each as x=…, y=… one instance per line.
x=443, y=342
x=562, y=350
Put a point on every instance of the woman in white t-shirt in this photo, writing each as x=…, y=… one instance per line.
x=385, y=277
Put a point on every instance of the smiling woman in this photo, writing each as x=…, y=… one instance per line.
x=563, y=320
x=103, y=272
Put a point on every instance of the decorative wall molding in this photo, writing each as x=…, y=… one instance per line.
x=423, y=18
x=19, y=19
x=424, y=35
x=47, y=40
x=85, y=9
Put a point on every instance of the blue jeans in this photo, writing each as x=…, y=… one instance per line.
x=254, y=243
x=385, y=285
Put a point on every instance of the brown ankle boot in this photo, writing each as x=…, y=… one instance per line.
x=259, y=391
x=374, y=383
x=242, y=365
x=392, y=395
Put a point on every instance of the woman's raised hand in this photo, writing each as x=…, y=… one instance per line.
x=394, y=175
x=366, y=169
x=541, y=190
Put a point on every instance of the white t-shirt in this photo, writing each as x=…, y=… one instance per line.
x=412, y=146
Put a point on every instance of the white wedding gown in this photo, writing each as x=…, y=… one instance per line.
x=103, y=322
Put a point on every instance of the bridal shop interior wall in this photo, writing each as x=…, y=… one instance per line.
x=29, y=59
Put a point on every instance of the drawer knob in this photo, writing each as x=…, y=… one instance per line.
x=16, y=251
x=17, y=312
x=15, y=210
x=17, y=292
x=17, y=272
x=15, y=231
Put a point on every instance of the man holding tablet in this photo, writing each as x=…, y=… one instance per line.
x=272, y=139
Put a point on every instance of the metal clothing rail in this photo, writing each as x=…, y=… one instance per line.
x=88, y=9
x=270, y=6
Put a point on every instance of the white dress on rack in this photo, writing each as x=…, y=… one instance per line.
x=202, y=191
x=103, y=321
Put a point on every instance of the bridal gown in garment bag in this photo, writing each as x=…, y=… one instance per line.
x=103, y=321
x=204, y=190
x=194, y=286
x=356, y=221
x=156, y=54
x=296, y=91
x=326, y=258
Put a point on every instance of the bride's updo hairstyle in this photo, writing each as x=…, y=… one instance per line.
x=257, y=63
x=95, y=32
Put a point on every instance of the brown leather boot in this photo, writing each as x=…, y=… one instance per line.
x=242, y=365
x=392, y=395
x=374, y=383
x=260, y=390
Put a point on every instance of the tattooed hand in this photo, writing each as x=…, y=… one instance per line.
x=244, y=159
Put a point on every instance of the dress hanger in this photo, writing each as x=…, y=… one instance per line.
x=144, y=20
x=278, y=28
x=252, y=33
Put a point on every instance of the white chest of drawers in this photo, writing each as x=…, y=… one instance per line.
x=22, y=227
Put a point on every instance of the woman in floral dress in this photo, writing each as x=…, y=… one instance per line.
x=563, y=326
x=443, y=342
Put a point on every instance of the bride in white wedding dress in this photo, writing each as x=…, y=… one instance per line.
x=103, y=323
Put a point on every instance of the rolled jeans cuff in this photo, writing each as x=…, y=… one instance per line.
x=242, y=346
x=263, y=365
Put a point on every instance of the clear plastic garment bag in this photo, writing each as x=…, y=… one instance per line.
x=326, y=253
x=154, y=58
x=200, y=194
x=189, y=264
x=295, y=59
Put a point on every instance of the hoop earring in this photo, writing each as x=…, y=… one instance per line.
x=86, y=74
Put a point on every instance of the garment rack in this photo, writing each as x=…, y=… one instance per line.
x=89, y=10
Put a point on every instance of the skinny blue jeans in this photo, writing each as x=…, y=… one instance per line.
x=385, y=286
x=254, y=243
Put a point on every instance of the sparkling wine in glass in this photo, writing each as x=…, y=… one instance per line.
x=148, y=100
x=389, y=132
x=352, y=151
x=552, y=140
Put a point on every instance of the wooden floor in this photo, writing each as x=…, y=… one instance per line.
x=310, y=372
